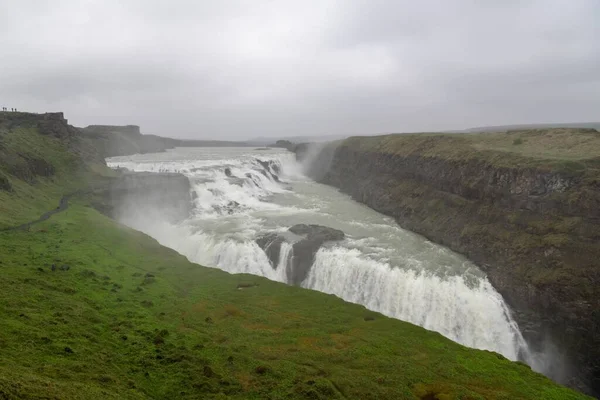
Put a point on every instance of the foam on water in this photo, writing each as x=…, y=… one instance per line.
x=379, y=265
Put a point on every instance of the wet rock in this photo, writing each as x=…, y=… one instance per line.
x=228, y=172
x=317, y=232
x=270, y=169
x=306, y=241
x=229, y=208
x=237, y=181
x=271, y=244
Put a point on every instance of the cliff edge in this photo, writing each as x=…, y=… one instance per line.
x=524, y=205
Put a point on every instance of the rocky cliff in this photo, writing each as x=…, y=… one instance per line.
x=524, y=205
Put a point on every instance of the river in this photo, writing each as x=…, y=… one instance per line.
x=379, y=264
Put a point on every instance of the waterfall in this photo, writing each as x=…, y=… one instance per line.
x=240, y=194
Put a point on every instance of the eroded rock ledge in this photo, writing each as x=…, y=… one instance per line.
x=306, y=240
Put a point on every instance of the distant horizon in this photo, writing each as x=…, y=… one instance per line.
x=471, y=128
x=240, y=70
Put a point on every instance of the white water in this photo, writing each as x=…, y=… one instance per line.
x=379, y=265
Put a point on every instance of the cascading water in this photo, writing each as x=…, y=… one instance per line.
x=241, y=194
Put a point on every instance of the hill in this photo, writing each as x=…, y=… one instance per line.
x=92, y=309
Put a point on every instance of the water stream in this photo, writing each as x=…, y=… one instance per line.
x=379, y=264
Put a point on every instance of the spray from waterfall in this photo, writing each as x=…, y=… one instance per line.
x=240, y=194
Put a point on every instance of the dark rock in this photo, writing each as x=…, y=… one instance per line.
x=502, y=212
x=228, y=172
x=229, y=208
x=270, y=169
x=238, y=181
x=246, y=285
x=271, y=244
x=306, y=242
x=317, y=232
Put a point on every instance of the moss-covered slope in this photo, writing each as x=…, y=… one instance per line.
x=92, y=309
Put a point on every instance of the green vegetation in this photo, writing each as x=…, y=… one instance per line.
x=543, y=148
x=91, y=309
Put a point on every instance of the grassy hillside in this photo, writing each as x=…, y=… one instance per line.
x=36, y=170
x=91, y=309
x=504, y=128
x=559, y=149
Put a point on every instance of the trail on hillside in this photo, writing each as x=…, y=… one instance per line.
x=62, y=206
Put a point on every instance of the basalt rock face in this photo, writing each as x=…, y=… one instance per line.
x=534, y=230
x=50, y=124
x=150, y=195
x=306, y=240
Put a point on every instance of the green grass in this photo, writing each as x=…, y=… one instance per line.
x=142, y=322
x=558, y=148
x=29, y=194
x=91, y=309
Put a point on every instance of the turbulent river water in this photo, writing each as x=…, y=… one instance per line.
x=379, y=264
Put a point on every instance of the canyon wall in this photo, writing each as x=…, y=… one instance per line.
x=529, y=216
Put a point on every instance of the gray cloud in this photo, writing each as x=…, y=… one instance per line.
x=239, y=69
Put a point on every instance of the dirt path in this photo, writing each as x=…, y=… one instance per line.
x=62, y=206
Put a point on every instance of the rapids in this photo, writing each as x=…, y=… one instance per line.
x=243, y=193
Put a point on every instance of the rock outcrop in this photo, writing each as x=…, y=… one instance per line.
x=532, y=224
x=50, y=124
x=306, y=240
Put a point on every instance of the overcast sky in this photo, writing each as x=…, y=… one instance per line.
x=234, y=69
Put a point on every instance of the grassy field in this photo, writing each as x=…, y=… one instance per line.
x=96, y=310
x=558, y=148
x=91, y=309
